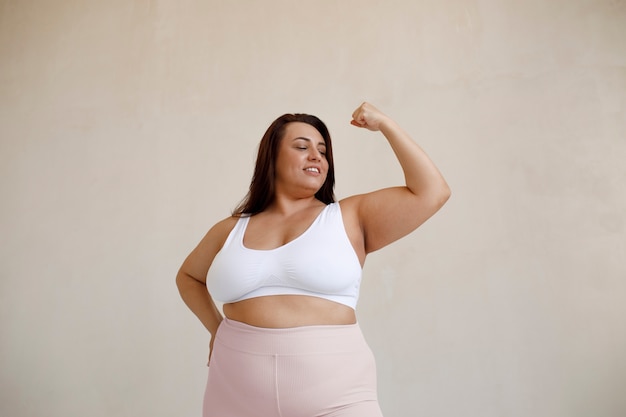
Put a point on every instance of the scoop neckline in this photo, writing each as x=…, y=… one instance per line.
x=301, y=235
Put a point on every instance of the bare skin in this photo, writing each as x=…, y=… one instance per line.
x=371, y=220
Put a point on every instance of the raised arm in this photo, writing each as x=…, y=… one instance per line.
x=387, y=215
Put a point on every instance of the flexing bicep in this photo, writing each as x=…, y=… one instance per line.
x=389, y=214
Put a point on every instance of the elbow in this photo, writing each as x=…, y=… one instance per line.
x=434, y=194
x=178, y=280
x=446, y=192
x=186, y=281
x=442, y=195
x=181, y=279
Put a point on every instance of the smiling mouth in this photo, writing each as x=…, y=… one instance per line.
x=313, y=170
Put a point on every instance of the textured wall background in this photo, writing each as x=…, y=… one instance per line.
x=129, y=127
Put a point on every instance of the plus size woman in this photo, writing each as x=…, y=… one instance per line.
x=287, y=267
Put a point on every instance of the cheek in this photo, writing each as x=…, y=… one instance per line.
x=325, y=172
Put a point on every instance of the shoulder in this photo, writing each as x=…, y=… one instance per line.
x=350, y=207
x=214, y=239
x=226, y=224
x=220, y=230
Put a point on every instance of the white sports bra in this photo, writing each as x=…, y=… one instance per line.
x=321, y=262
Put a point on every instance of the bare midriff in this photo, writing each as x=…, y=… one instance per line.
x=283, y=311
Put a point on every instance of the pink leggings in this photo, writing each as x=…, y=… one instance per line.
x=309, y=371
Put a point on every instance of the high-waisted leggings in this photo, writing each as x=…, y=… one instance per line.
x=308, y=371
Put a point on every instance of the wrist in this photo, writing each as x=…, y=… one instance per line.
x=387, y=126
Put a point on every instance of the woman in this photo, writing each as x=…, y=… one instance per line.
x=287, y=266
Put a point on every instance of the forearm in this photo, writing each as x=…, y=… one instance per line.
x=195, y=295
x=421, y=175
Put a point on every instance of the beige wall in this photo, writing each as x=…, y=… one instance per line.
x=129, y=127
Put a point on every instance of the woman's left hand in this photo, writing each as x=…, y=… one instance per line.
x=368, y=117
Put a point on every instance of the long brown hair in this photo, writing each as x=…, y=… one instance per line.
x=262, y=186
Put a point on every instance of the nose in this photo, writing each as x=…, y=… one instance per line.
x=315, y=155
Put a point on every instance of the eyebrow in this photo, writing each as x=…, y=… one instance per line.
x=323, y=143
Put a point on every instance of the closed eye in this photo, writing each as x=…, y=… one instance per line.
x=300, y=146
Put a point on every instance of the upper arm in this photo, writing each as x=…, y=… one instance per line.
x=198, y=262
x=389, y=214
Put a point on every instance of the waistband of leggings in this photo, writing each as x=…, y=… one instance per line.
x=292, y=340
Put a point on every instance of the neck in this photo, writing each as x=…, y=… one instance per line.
x=288, y=205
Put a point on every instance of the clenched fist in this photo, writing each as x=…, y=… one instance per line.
x=368, y=117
